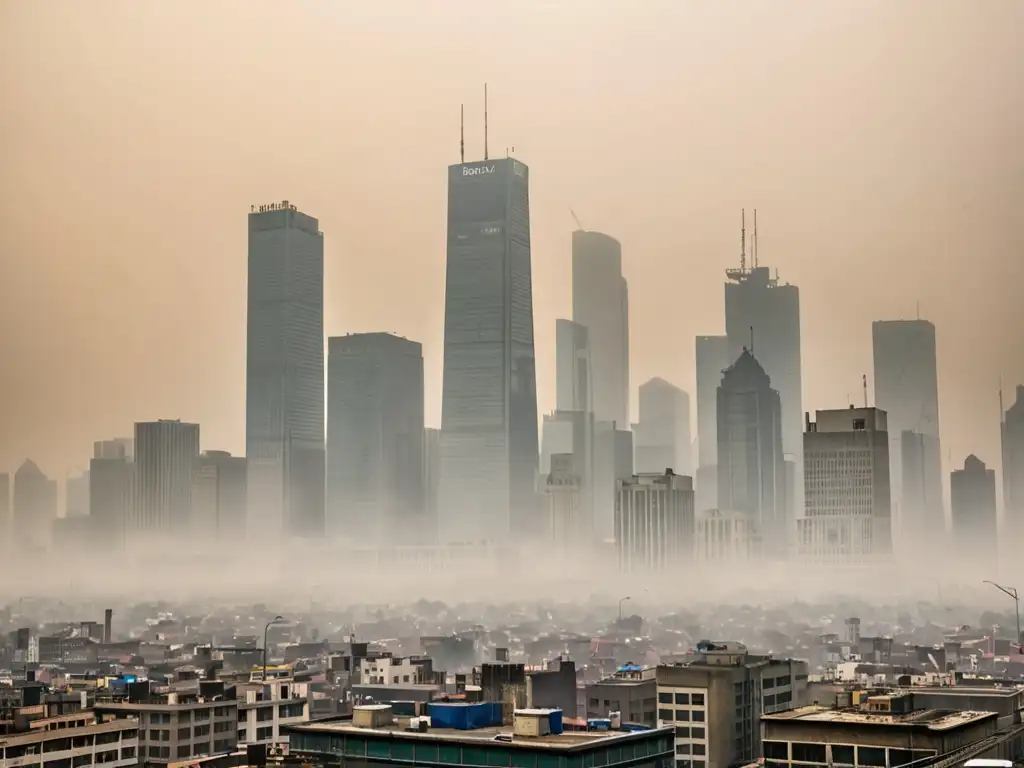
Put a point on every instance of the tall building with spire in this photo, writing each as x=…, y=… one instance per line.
x=763, y=315
x=489, y=445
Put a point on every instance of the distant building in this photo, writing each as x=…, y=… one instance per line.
x=431, y=479
x=165, y=462
x=35, y=507
x=569, y=526
x=716, y=698
x=375, y=438
x=5, y=510
x=712, y=360
x=219, y=496
x=613, y=462
x=751, y=468
x=973, y=502
x=725, y=537
x=571, y=434
x=572, y=366
x=600, y=302
x=661, y=438
x=654, y=523
x=284, y=370
x=906, y=388
x=847, y=515
x=1012, y=432
x=111, y=482
x=118, y=448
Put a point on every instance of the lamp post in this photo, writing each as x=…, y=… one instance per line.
x=1012, y=592
x=627, y=597
x=266, y=629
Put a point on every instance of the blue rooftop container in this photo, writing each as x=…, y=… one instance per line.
x=464, y=717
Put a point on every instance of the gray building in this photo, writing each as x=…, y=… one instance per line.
x=848, y=512
x=600, y=302
x=906, y=388
x=35, y=508
x=165, y=462
x=716, y=699
x=572, y=366
x=489, y=448
x=654, y=522
x=613, y=462
x=972, y=492
x=751, y=468
x=1012, y=433
x=661, y=438
x=284, y=406
x=111, y=480
x=76, y=495
x=431, y=479
x=219, y=496
x=5, y=509
x=118, y=448
x=173, y=732
x=631, y=692
x=375, y=468
x=712, y=358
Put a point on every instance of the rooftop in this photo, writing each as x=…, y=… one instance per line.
x=932, y=719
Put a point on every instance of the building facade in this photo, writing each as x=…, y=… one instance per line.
x=165, y=462
x=375, y=467
x=725, y=537
x=600, y=302
x=712, y=358
x=284, y=406
x=654, y=522
x=973, y=505
x=489, y=448
x=572, y=366
x=847, y=515
x=220, y=496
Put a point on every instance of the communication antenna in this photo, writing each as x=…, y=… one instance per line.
x=753, y=243
x=751, y=340
x=576, y=219
x=1002, y=413
x=743, y=240
x=864, y=378
x=462, y=133
x=485, y=121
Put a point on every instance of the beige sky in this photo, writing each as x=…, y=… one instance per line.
x=879, y=140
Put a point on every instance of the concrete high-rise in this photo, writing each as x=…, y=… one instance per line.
x=751, y=468
x=118, y=448
x=572, y=366
x=35, y=508
x=219, y=497
x=848, y=511
x=654, y=522
x=972, y=494
x=165, y=463
x=1012, y=433
x=76, y=495
x=600, y=302
x=712, y=358
x=763, y=315
x=375, y=438
x=906, y=388
x=111, y=479
x=284, y=406
x=661, y=437
x=431, y=479
x=489, y=448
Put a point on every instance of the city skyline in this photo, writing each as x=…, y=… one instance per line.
x=39, y=398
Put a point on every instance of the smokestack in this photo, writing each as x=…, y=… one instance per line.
x=108, y=616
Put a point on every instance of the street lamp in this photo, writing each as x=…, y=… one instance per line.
x=1012, y=592
x=627, y=597
x=266, y=629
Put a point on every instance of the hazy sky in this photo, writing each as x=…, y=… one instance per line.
x=880, y=141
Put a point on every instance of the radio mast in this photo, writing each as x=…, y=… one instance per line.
x=485, y=122
x=462, y=134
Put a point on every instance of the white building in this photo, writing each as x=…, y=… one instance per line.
x=846, y=487
x=724, y=537
x=264, y=707
x=76, y=739
x=654, y=525
x=388, y=670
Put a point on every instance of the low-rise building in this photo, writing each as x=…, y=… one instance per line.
x=263, y=707
x=632, y=691
x=80, y=740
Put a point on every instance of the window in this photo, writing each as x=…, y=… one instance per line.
x=810, y=753
x=202, y=714
x=683, y=715
x=842, y=754
x=697, y=733
x=682, y=732
x=776, y=750
x=697, y=699
x=699, y=748
x=873, y=756
x=665, y=714
x=859, y=424
x=184, y=750
x=664, y=698
x=202, y=730
x=698, y=715
x=184, y=734
x=682, y=749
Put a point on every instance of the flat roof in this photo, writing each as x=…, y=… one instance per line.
x=46, y=734
x=968, y=690
x=932, y=719
x=567, y=740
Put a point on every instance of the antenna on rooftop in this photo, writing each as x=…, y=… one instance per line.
x=485, y=121
x=751, y=340
x=743, y=240
x=462, y=133
x=753, y=243
x=864, y=378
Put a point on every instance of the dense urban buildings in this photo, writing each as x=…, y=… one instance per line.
x=712, y=358
x=906, y=388
x=34, y=502
x=489, y=450
x=848, y=513
x=654, y=522
x=375, y=464
x=1012, y=434
x=284, y=406
x=751, y=468
x=972, y=492
x=166, y=452
x=600, y=303
x=661, y=438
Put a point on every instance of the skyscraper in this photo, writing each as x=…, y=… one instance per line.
x=906, y=388
x=712, y=357
x=284, y=407
x=165, y=462
x=763, y=315
x=972, y=493
x=572, y=366
x=600, y=302
x=751, y=469
x=1012, y=432
x=111, y=479
x=35, y=507
x=431, y=479
x=489, y=398
x=375, y=438
x=661, y=437
x=219, y=497
x=654, y=522
x=848, y=514
x=5, y=510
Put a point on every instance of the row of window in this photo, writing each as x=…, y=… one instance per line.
x=841, y=754
x=681, y=699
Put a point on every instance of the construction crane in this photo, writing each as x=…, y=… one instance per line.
x=576, y=218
